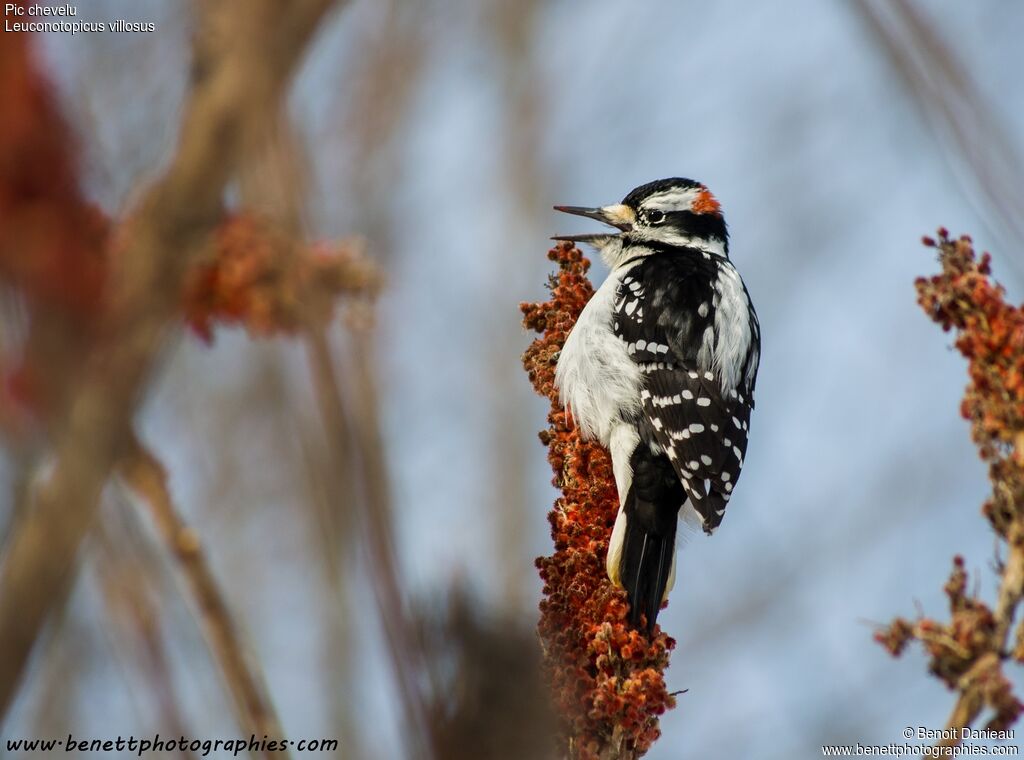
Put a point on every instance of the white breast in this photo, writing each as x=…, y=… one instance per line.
x=595, y=376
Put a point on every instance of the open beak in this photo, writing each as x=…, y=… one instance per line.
x=617, y=215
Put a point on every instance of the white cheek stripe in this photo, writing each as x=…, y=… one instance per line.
x=673, y=238
x=672, y=200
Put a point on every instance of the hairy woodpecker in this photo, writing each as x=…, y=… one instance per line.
x=660, y=368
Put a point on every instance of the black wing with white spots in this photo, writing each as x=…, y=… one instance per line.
x=665, y=308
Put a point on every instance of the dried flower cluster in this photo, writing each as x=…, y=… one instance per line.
x=607, y=678
x=968, y=652
x=990, y=335
x=260, y=278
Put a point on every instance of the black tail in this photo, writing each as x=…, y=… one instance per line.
x=648, y=546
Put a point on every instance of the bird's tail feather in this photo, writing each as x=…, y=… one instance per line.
x=646, y=564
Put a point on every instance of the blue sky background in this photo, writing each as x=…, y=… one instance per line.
x=860, y=482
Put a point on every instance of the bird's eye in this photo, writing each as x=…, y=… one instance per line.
x=655, y=217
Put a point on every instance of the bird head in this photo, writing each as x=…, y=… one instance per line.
x=673, y=212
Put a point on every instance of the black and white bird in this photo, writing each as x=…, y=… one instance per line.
x=660, y=368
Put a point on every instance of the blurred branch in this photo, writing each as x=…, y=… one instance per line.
x=511, y=34
x=387, y=63
x=379, y=522
x=969, y=703
x=328, y=486
x=126, y=579
x=244, y=55
x=273, y=183
x=144, y=474
x=356, y=438
x=66, y=657
x=954, y=105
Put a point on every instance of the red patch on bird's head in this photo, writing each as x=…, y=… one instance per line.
x=706, y=203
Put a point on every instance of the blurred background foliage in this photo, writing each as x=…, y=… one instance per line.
x=441, y=132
